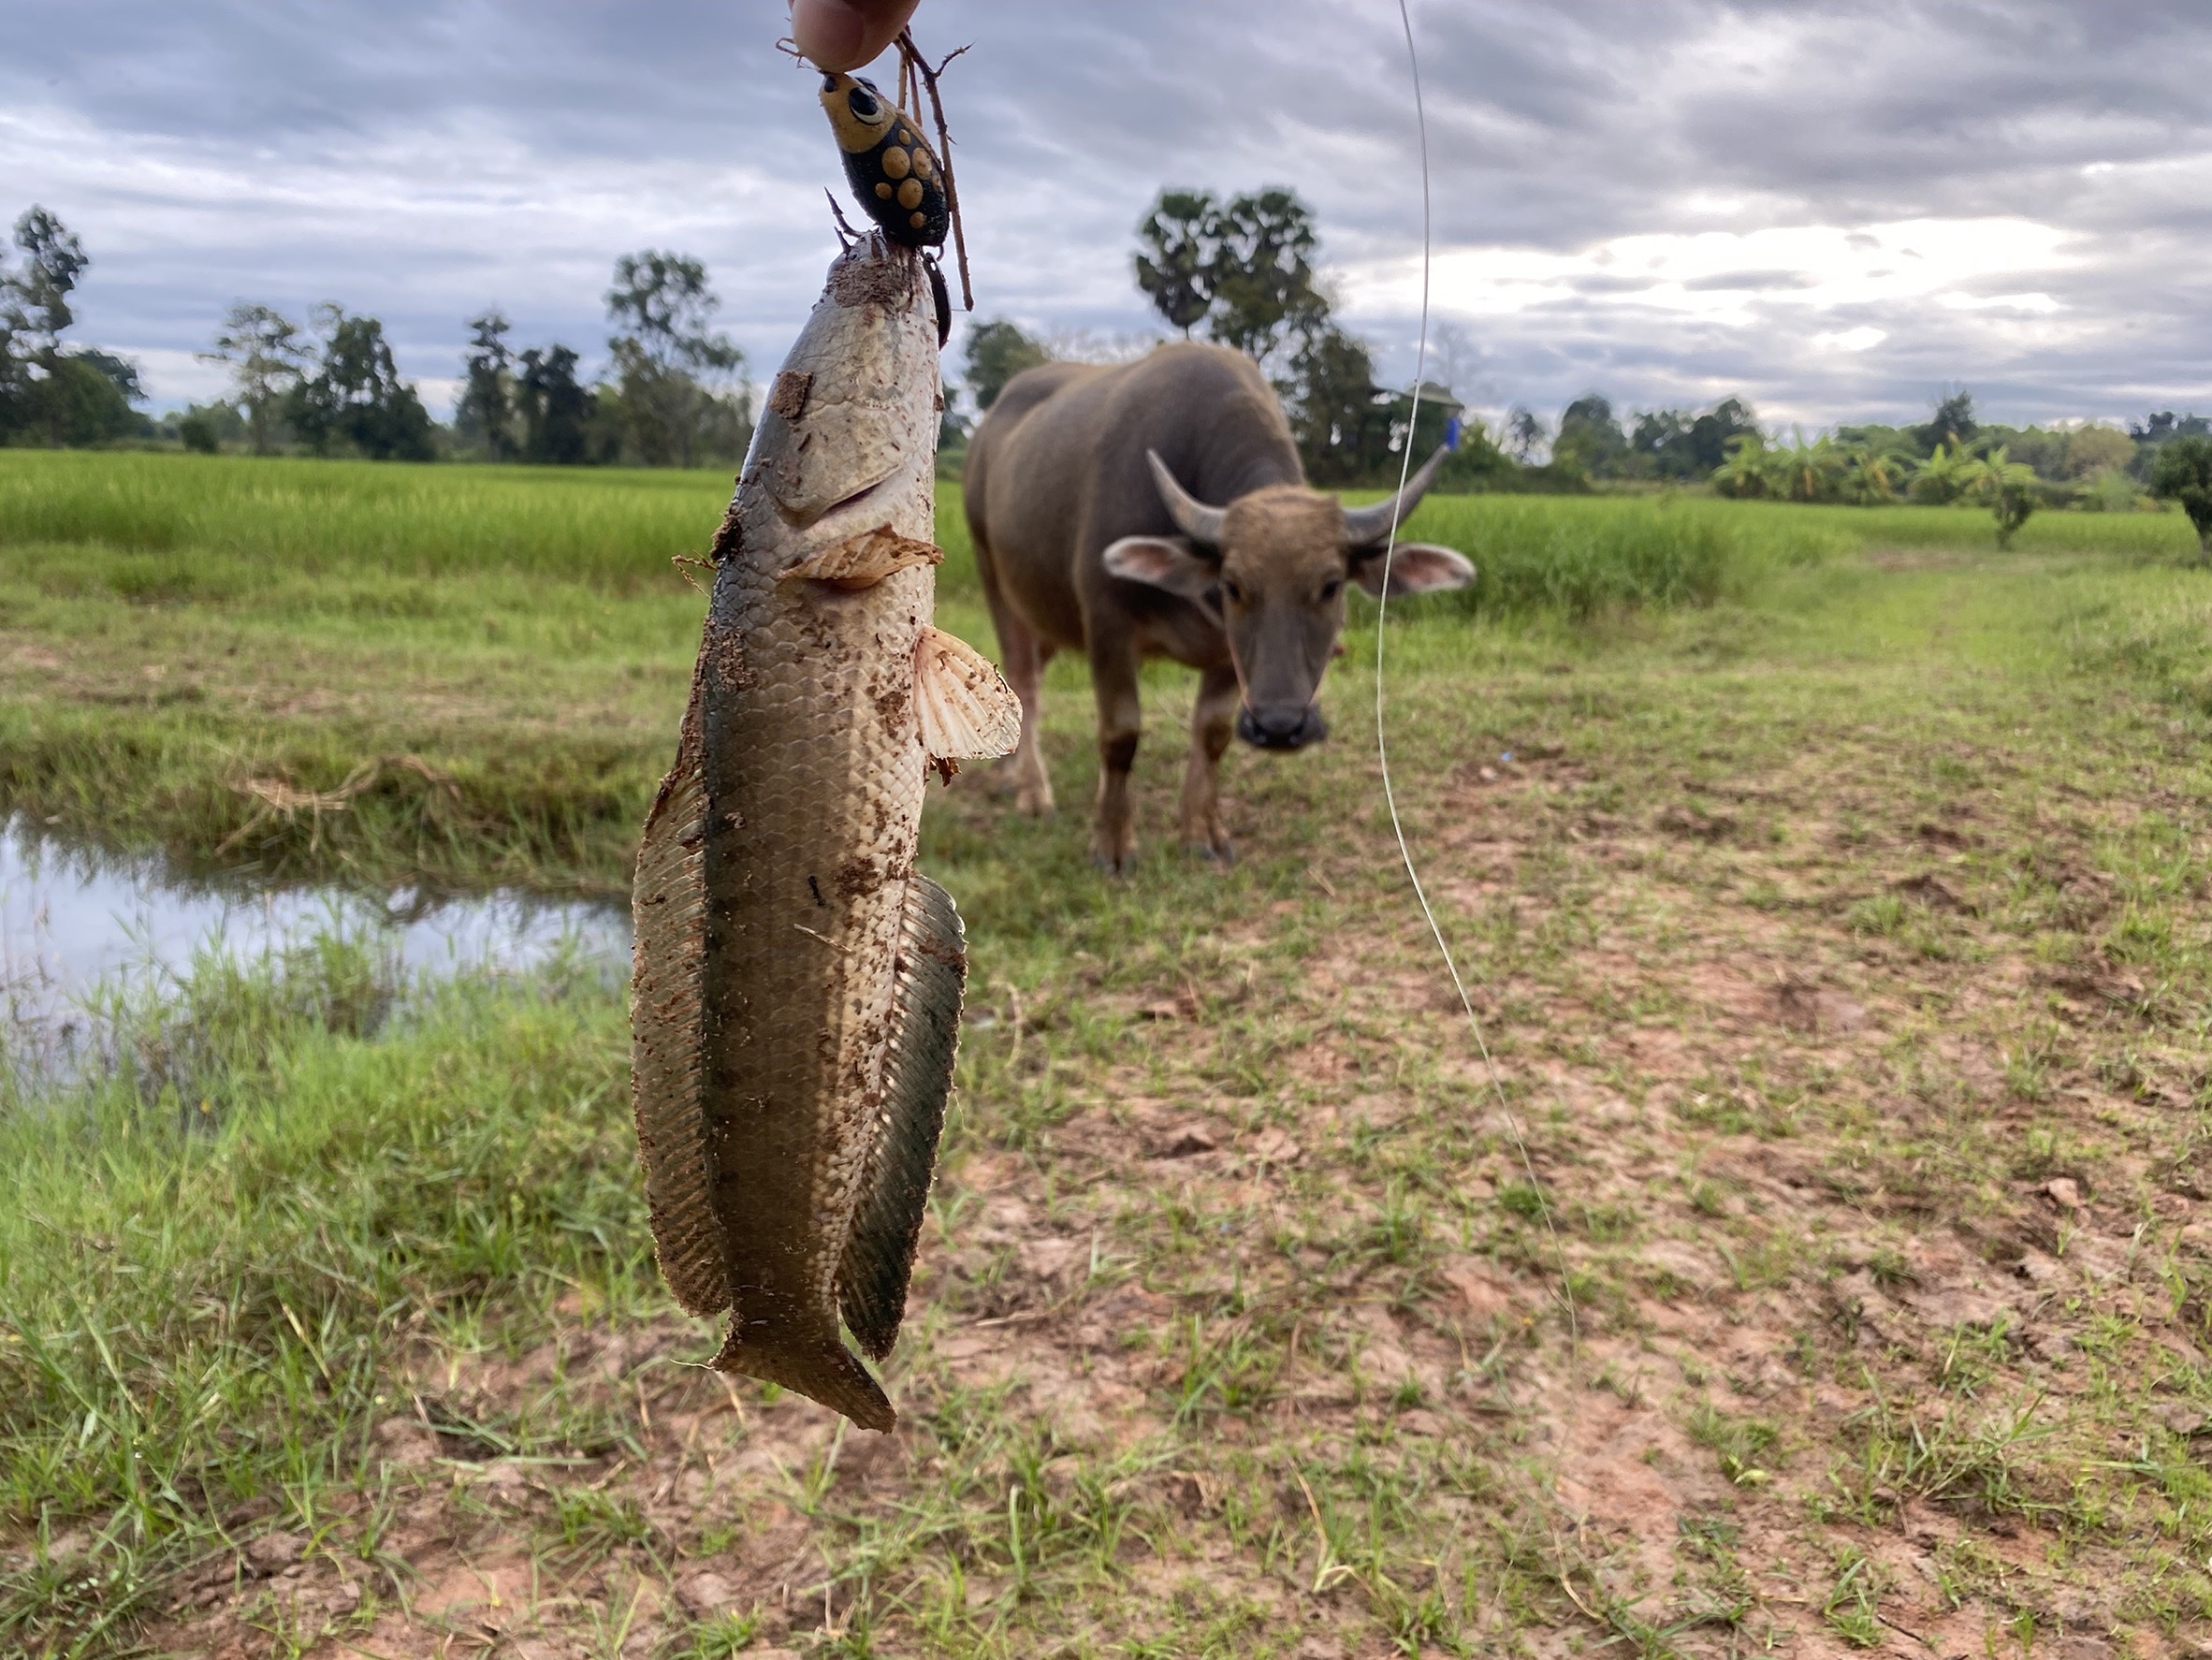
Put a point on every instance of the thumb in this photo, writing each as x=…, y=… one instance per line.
x=846, y=34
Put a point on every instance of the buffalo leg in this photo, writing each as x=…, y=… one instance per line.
x=1025, y=658
x=1121, y=713
x=1212, y=722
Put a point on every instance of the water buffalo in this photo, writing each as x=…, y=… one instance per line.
x=1088, y=493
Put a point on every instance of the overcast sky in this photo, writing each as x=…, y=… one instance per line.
x=1836, y=211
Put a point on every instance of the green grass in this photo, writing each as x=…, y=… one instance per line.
x=176, y=629
x=1157, y=1402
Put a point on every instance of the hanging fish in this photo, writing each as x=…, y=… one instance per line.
x=797, y=981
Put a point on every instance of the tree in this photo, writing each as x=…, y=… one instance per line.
x=1945, y=477
x=1872, y=476
x=198, y=433
x=2095, y=448
x=1683, y=444
x=662, y=308
x=49, y=395
x=1262, y=275
x=486, y=413
x=1525, y=434
x=1175, y=262
x=2183, y=474
x=552, y=408
x=268, y=356
x=1589, y=436
x=2007, y=487
x=1744, y=474
x=996, y=352
x=357, y=398
x=1342, y=435
x=35, y=301
x=1952, y=423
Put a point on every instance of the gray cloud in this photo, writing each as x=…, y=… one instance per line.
x=421, y=161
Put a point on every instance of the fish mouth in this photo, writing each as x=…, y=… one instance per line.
x=807, y=515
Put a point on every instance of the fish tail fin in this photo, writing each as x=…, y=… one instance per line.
x=825, y=1371
x=879, y=1257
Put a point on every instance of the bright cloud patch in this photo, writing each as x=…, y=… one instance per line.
x=1725, y=275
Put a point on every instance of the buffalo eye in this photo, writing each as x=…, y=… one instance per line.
x=1330, y=589
x=1235, y=592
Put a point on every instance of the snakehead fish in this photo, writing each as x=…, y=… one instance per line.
x=797, y=981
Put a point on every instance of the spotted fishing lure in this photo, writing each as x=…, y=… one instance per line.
x=896, y=175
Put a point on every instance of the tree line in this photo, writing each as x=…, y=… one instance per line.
x=673, y=396
x=673, y=393
x=1242, y=269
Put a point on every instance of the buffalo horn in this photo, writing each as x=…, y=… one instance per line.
x=1193, y=517
x=1366, y=526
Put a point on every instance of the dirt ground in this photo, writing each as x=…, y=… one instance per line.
x=1818, y=1271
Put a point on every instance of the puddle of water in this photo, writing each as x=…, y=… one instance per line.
x=70, y=920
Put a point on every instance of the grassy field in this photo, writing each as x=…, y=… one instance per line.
x=1821, y=1273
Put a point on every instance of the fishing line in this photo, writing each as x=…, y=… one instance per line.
x=1382, y=752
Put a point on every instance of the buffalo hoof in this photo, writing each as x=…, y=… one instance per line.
x=1212, y=852
x=1113, y=861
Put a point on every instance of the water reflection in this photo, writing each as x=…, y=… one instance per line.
x=72, y=921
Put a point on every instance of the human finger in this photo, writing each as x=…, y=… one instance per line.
x=846, y=34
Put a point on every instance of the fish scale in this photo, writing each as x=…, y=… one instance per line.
x=798, y=980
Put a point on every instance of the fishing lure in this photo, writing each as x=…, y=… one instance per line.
x=892, y=168
x=894, y=173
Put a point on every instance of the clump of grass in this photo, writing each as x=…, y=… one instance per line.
x=1738, y=1442
x=205, y=1291
x=1581, y=558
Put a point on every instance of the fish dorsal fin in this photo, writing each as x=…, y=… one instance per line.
x=667, y=1030
x=967, y=709
x=878, y=1257
x=866, y=559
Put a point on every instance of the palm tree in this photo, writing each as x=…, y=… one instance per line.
x=1946, y=475
x=2008, y=488
x=1806, y=472
x=1872, y=477
x=1743, y=474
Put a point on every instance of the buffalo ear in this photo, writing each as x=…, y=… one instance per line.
x=1173, y=562
x=1416, y=567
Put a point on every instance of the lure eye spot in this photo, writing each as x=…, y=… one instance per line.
x=862, y=104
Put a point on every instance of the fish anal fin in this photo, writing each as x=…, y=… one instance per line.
x=866, y=559
x=667, y=1032
x=879, y=1260
x=826, y=1372
x=968, y=711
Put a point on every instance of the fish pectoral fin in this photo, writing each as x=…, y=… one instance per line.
x=879, y=1260
x=866, y=559
x=967, y=709
x=825, y=1371
x=668, y=1030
